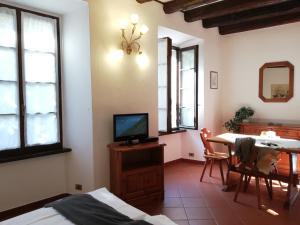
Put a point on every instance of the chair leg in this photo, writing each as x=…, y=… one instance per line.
x=238, y=187
x=227, y=162
x=211, y=166
x=269, y=188
x=258, y=192
x=276, y=172
x=221, y=171
x=247, y=181
x=203, y=171
x=227, y=174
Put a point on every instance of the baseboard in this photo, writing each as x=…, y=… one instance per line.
x=193, y=161
x=29, y=207
x=183, y=160
x=173, y=162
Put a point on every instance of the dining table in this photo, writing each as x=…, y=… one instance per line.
x=288, y=146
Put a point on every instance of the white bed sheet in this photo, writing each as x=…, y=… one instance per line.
x=49, y=216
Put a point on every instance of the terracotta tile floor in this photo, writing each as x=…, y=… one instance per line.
x=189, y=202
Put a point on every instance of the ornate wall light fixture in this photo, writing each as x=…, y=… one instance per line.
x=130, y=42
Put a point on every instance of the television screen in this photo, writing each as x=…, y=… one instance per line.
x=130, y=126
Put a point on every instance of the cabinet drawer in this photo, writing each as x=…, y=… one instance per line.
x=151, y=179
x=141, y=183
x=132, y=186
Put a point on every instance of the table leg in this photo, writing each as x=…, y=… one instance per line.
x=292, y=190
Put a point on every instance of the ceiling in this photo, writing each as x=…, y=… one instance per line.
x=233, y=16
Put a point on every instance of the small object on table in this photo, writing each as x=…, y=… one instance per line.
x=268, y=134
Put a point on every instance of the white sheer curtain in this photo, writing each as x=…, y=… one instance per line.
x=9, y=100
x=162, y=84
x=40, y=68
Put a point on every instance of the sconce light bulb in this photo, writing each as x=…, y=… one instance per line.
x=142, y=60
x=123, y=24
x=134, y=18
x=144, y=29
x=119, y=54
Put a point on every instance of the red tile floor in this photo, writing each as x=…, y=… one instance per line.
x=189, y=202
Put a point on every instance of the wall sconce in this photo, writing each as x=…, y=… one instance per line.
x=130, y=42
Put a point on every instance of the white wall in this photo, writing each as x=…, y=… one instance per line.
x=173, y=150
x=242, y=56
x=122, y=86
x=30, y=180
x=78, y=125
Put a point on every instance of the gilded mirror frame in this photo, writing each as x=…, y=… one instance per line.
x=291, y=80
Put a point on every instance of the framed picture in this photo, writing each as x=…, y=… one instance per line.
x=213, y=80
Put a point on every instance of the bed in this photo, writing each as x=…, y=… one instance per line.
x=49, y=216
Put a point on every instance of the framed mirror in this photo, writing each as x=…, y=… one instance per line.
x=276, y=81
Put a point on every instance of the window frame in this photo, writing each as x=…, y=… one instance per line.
x=178, y=128
x=24, y=152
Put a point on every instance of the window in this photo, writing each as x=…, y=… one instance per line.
x=177, y=87
x=30, y=103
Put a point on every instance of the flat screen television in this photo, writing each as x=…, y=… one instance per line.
x=128, y=127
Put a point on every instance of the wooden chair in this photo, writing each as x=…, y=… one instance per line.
x=211, y=156
x=248, y=170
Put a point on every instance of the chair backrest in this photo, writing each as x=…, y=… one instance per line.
x=246, y=151
x=205, y=134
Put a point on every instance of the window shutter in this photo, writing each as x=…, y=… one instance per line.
x=188, y=87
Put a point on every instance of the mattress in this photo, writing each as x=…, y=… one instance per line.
x=49, y=216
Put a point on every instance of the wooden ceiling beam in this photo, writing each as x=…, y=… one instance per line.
x=254, y=14
x=258, y=24
x=143, y=1
x=226, y=7
x=177, y=5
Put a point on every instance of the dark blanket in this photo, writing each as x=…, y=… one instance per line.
x=83, y=209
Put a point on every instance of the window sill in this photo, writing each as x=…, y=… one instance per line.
x=30, y=155
x=162, y=133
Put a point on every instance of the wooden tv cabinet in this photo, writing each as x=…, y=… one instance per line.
x=290, y=131
x=137, y=172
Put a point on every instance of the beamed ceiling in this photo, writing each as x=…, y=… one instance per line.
x=232, y=16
